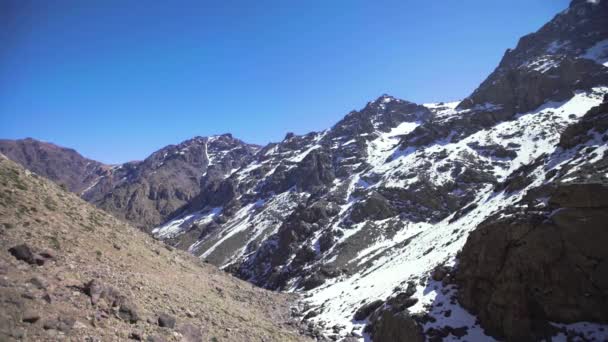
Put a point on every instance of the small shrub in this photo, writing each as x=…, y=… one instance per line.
x=50, y=204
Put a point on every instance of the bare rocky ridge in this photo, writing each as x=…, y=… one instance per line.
x=149, y=192
x=69, y=271
x=62, y=165
x=143, y=193
x=440, y=221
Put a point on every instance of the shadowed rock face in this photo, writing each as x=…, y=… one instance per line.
x=519, y=273
x=62, y=165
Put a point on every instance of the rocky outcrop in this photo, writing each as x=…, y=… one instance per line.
x=520, y=272
x=374, y=207
x=391, y=321
x=596, y=120
x=25, y=253
x=396, y=327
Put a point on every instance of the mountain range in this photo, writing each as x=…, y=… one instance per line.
x=479, y=219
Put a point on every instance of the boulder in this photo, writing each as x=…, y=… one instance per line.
x=30, y=316
x=128, y=313
x=23, y=252
x=166, y=321
x=519, y=272
x=397, y=327
x=364, y=311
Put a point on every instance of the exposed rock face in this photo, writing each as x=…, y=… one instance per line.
x=531, y=265
x=147, y=193
x=596, y=120
x=62, y=165
x=519, y=273
x=545, y=65
x=375, y=207
x=391, y=321
x=397, y=326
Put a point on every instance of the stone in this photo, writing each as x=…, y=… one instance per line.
x=136, y=335
x=128, y=312
x=97, y=291
x=30, y=316
x=440, y=272
x=397, y=327
x=190, y=333
x=23, y=252
x=311, y=314
x=166, y=321
x=94, y=289
x=155, y=338
x=78, y=325
x=367, y=309
x=39, y=282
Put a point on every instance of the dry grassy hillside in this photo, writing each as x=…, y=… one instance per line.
x=82, y=275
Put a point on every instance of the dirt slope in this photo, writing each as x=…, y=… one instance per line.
x=73, y=255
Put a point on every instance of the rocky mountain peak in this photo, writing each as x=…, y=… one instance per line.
x=152, y=190
x=562, y=56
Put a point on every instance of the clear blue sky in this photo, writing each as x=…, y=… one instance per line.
x=117, y=80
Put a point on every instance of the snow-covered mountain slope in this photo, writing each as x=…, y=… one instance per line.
x=417, y=248
x=355, y=213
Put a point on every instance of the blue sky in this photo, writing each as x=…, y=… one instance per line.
x=117, y=80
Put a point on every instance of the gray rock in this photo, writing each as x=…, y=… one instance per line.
x=23, y=252
x=128, y=312
x=166, y=320
x=30, y=316
x=364, y=311
x=190, y=333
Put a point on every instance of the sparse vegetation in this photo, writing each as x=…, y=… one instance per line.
x=50, y=204
x=152, y=283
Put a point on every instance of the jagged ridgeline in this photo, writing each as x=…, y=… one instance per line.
x=478, y=219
